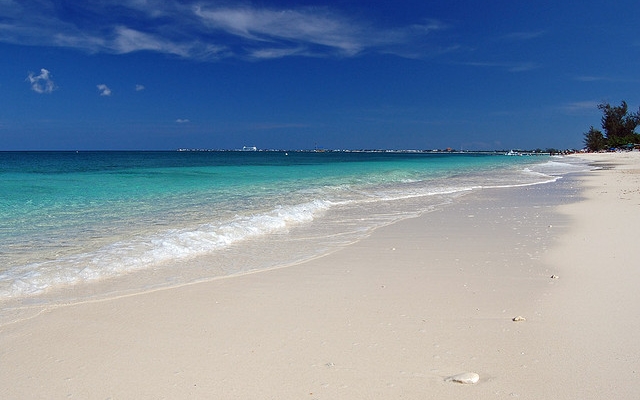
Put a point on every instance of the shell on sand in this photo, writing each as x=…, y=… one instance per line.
x=518, y=319
x=467, y=378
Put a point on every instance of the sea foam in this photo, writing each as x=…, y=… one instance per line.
x=141, y=253
x=186, y=217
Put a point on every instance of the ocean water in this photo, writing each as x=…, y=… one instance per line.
x=76, y=226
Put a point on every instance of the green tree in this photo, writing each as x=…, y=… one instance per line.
x=594, y=140
x=619, y=126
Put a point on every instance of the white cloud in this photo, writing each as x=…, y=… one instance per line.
x=9, y=8
x=153, y=8
x=509, y=66
x=524, y=35
x=589, y=78
x=311, y=26
x=523, y=66
x=129, y=40
x=276, y=53
x=580, y=106
x=41, y=83
x=104, y=90
x=139, y=88
x=182, y=121
x=204, y=30
x=592, y=78
x=309, y=31
x=77, y=40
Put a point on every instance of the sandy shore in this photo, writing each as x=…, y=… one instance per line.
x=389, y=317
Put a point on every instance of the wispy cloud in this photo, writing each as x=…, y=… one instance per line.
x=580, y=106
x=522, y=66
x=524, y=35
x=267, y=53
x=104, y=90
x=41, y=83
x=587, y=78
x=182, y=121
x=128, y=40
x=305, y=30
x=310, y=26
x=594, y=78
x=203, y=29
x=509, y=66
x=139, y=88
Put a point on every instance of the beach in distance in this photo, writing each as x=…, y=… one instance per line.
x=489, y=278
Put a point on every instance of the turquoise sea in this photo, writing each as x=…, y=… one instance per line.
x=78, y=225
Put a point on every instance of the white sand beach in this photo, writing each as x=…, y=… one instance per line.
x=391, y=316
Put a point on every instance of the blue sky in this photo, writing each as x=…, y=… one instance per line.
x=167, y=74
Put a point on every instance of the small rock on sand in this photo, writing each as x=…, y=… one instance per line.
x=467, y=378
x=518, y=319
x=554, y=277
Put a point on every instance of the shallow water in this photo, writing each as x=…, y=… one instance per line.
x=71, y=223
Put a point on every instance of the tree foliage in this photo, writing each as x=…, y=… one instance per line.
x=594, y=140
x=619, y=128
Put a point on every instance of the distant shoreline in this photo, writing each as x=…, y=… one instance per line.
x=259, y=150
